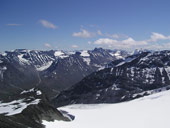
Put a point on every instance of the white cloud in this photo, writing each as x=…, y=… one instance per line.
x=47, y=45
x=83, y=34
x=158, y=46
x=106, y=41
x=48, y=24
x=157, y=36
x=74, y=46
x=113, y=36
x=116, y=36
x=13, y=24
x=129, y=43
x=123, y=43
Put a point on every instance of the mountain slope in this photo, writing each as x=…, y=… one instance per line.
x=130, y=78
x=68, y=71
x=51, y=71
x=28, y=109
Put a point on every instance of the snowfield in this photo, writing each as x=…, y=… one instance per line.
x=147, y=112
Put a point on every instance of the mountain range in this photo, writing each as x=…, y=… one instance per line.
x=52, y=71
x=34, y=83
x=125, y=79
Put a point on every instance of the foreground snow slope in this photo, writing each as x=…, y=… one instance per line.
x=147, y=112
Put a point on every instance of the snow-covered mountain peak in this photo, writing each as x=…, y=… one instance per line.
x=139, y=51
x=60, y=54
x=84, y=54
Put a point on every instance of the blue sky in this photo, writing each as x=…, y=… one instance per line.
x=84, y=24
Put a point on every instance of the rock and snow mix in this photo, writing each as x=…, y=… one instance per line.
x=2, y=70
x=27, y=91
x=127, y=60
x=38, y=92
x=117, y=55
x=86, y=57
x=16, y=106
x=44, y=66
x=147, y=112
x=4, y=54
x=23, y=60
x=87, y=60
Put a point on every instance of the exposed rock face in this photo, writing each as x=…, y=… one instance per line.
x=51, y=71
x=135, y=76
x=32, y=115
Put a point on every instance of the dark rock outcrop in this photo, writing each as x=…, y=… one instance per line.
x=33, y=114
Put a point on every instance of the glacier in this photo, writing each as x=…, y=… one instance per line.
x=147, y=112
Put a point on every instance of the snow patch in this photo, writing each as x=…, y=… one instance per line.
x=71, y=53
x=4, y=54
x=114, y=87
x=85, y=54
x=101, y=68
x=23, y=60
x=117, y=55
x=28, y=91
x=87, y=60
x=127, y=60
x=60, y=54
x=97, y=95
x=44, y=66
x=168, y=72
x=98, y=66
x=38, y=92
x=2, y=70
